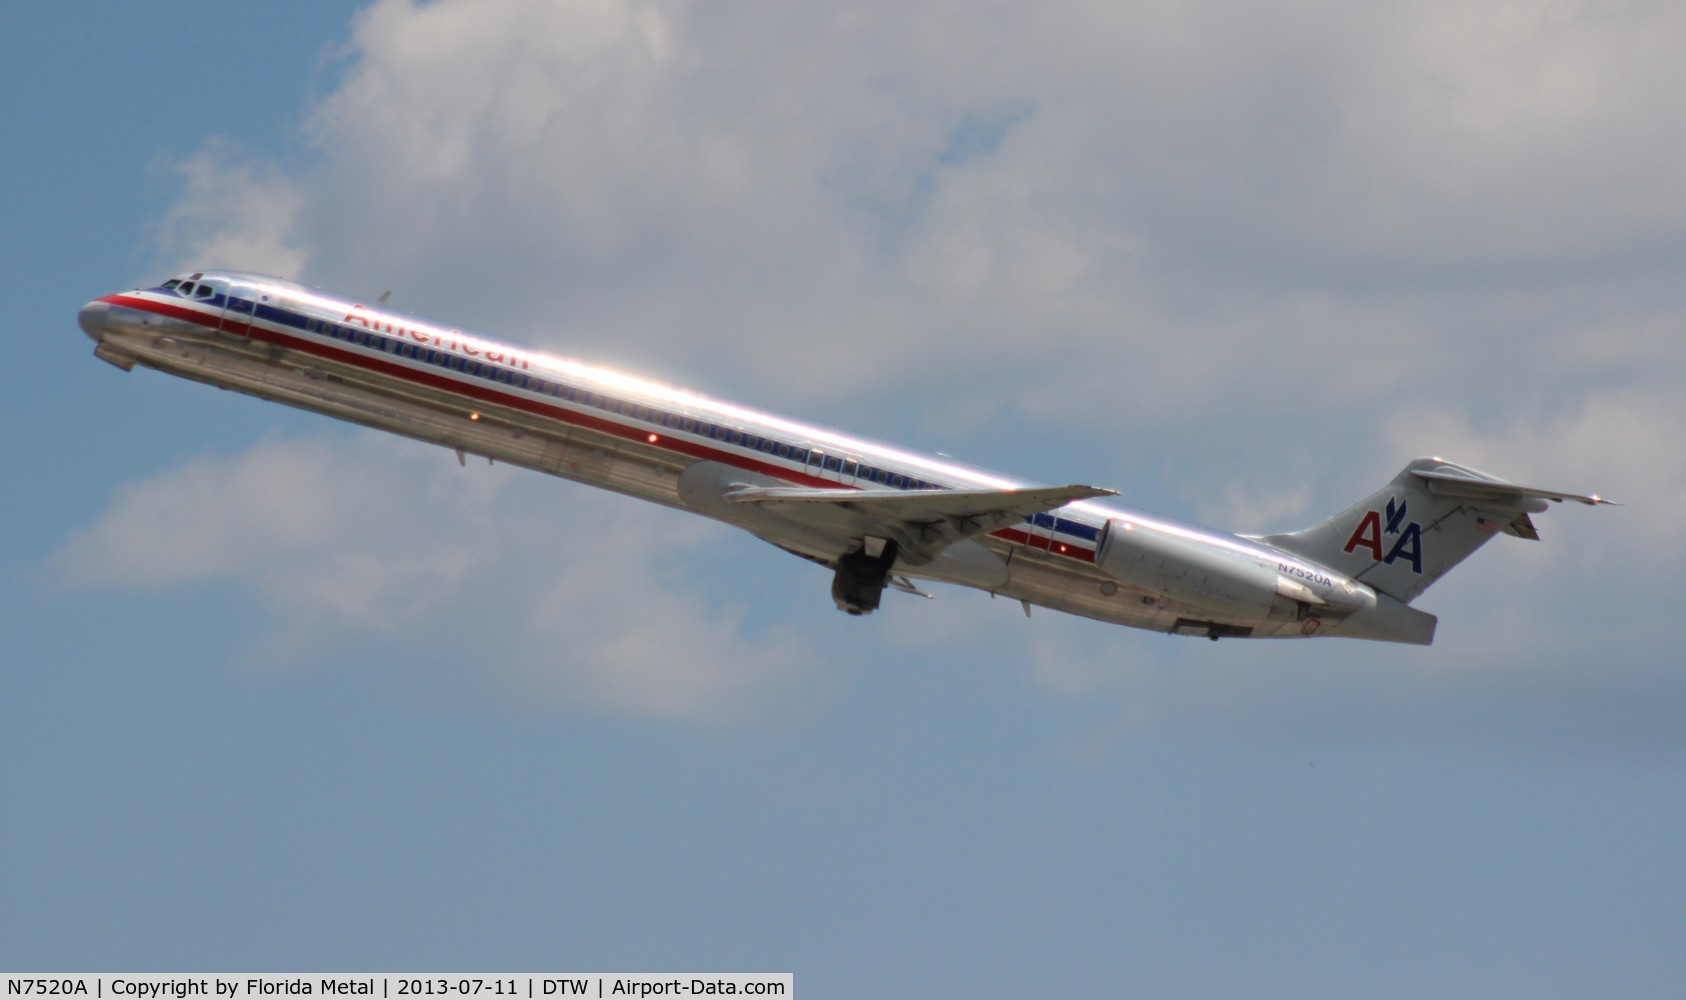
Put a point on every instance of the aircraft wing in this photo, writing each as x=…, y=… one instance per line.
x=922, y=522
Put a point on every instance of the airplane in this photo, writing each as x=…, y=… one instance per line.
x=877, y=515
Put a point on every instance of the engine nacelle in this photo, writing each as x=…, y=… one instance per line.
x=1229, y=585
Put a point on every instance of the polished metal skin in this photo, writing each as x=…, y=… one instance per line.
x=877, y=514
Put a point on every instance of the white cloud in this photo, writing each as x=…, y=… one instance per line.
x=562, y=595
x=823, y=205
x=235, y=211
x=1620, y=444
x=1251, y=258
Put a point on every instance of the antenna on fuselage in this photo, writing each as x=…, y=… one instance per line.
x=384, y=296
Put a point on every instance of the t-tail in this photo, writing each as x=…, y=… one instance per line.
x=1412, y=531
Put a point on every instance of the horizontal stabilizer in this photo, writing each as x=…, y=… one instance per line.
x=1452, y=481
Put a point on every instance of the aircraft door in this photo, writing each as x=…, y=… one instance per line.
x=1040, y=528
x=238, y=309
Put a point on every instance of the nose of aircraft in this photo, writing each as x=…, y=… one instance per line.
x=92, y=319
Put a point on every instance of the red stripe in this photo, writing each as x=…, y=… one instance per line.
x=1041, y=544
x=488, y=394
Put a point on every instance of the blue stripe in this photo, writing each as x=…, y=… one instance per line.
x=493, y=372
x=1064, y=526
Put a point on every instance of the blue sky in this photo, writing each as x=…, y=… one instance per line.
x=284, y=694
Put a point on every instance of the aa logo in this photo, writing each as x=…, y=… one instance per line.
x=1372, y=534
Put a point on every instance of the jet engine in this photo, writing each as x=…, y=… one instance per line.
x=1228, y=585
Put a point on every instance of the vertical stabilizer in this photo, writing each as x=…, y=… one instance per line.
x=1409, y=533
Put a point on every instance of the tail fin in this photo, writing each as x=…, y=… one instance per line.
x=1428, y=519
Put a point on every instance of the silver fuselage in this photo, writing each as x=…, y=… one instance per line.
x=282, y=341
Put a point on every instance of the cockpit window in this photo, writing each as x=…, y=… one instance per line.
x=186, y=288
x=172, y=283
x=205, y=291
